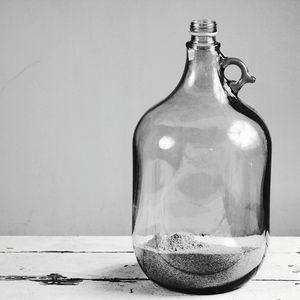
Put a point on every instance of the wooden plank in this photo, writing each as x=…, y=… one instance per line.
x=106, y=268
x=284, y=244
x=92, y=290
x=82, y=265
x=277, y=266
x=105, y=244
x=65, y=244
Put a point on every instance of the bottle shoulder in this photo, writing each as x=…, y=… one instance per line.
x=251, y=114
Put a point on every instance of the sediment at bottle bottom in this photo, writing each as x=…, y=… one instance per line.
x=199, y=269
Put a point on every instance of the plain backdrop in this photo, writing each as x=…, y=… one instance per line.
x=75, y=77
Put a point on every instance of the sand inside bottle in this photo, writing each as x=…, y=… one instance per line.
x=185, y=261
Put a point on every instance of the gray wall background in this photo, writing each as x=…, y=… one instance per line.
x=75, y=76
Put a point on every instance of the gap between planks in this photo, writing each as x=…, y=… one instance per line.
x=62, y=251
x=58, y=279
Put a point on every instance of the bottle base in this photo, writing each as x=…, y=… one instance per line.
x=231, y=286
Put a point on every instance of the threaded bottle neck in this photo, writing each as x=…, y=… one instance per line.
x=203, y=27
x=201, y=70
x=203, y=32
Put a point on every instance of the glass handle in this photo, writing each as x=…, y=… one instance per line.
x=245, y=76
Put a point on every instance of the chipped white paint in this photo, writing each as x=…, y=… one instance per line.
x=66, y=243
x=106, y=268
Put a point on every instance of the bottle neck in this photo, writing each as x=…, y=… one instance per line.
x=201, y=79
x=202, y=65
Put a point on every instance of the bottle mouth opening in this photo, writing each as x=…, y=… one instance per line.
x=203, y=27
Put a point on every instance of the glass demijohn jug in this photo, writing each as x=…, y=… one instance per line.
x=201, y=177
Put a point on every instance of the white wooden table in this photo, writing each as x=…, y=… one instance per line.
x=105, y=268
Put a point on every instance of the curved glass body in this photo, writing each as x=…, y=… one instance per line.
x=201, y=186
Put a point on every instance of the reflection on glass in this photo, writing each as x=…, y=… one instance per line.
x=166, y=142
x=243, y=134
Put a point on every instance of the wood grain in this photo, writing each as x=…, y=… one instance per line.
x=106, y=268
x=87, y=290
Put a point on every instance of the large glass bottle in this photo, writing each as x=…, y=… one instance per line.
x=201, y=186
